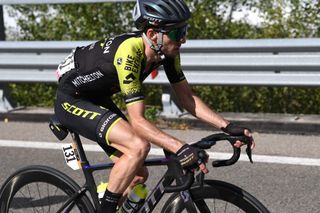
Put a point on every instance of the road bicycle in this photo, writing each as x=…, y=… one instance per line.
x=40, y=189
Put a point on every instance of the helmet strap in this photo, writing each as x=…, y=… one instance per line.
x=158, y=46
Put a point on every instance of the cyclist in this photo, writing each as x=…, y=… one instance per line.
x=91, y=74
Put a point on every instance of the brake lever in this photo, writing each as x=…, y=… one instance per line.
x=248, y=151
x=248, y=141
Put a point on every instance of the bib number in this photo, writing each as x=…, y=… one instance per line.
x=66, y=65
x=71, y=156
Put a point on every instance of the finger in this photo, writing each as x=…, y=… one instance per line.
x=253, y=145
x=238, y=144
x=203, y=168
x=248, y=133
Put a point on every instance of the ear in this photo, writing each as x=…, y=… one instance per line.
x=152, y=35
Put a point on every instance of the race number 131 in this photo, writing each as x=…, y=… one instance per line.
x=71, y=156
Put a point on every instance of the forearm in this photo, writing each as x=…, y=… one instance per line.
x=150, y=132
x=200, y=110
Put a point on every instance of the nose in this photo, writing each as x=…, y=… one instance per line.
x=183, y=40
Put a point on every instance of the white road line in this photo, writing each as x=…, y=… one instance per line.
x=159, y=152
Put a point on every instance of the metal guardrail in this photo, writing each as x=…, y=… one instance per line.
x=271, y=62
x=11, y=2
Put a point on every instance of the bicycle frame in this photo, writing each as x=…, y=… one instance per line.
x=162, y=187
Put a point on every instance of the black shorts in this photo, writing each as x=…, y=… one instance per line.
x=91, y=117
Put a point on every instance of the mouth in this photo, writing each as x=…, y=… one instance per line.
x=177, y=47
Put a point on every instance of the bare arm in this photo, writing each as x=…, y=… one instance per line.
x=149, y=131
x=195, y=106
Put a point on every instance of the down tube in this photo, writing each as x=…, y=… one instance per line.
x=156, y=195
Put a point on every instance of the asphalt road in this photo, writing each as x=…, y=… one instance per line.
x=285, y=175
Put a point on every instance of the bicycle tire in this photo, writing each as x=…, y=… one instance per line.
x=24, y=191
x=216, y=196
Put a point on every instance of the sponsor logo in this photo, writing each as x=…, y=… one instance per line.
x=87, y=78
x=134, y=99
x=185, y=196
x=79, y=112
x=152, y=20
x=133, y=63
x=106, y=123
x=107, y=46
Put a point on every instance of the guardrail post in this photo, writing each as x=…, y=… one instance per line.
x=5, y=105
x=2, y=28
x=169, y=106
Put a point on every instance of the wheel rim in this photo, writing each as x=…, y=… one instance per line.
x=39, y=197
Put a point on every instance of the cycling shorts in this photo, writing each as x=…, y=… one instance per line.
x=91, y=117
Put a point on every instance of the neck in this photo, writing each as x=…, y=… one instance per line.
x=151, y=55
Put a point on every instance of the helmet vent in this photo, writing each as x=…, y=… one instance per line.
x=160, y=13
x=166, y=10
x=150, y=10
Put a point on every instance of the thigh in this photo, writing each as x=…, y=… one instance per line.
x=87, y=118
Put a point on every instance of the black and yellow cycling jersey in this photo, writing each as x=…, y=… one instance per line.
x=116, y=64
x=90, y=75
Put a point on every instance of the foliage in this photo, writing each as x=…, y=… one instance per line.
x=211, y=20
x=33, y=95
x=73, y=21
x=290, y=18
x=151, y=113
x=261, y=99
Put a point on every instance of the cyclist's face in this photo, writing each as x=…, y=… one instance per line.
x=173, y=39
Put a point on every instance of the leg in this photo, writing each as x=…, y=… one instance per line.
x=134, y=150
x=141, y=177
x=106, y=125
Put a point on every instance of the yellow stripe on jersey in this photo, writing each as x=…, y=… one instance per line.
x=109, y=129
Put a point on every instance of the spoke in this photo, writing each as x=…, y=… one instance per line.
x=56, y=190
x=40, y=198
x=34, y=207
x=19, y=205
x=225, y=207
x=48, y=198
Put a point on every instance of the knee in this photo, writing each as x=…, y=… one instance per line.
x=140, y=148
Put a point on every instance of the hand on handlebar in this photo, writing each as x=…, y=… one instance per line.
x=192, y=158
x=234, y=130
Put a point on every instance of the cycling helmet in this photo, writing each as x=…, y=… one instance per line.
x=160, y=13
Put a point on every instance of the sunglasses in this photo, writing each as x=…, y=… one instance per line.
x=178, y=33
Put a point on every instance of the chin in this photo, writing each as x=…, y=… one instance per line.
x=172, y=54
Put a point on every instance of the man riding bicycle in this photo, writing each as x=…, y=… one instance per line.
x=90, y=75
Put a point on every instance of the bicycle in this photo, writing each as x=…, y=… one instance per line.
x=44, y=189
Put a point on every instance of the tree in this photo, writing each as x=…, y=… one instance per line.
x=72, y=21
x=211, y=20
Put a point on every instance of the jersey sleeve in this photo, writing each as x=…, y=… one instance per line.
x=172, y=68
x=128, y=61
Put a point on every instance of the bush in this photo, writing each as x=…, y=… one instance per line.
x=219, y=98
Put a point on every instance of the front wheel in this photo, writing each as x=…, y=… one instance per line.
x=41, y=189
x=216, y=196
